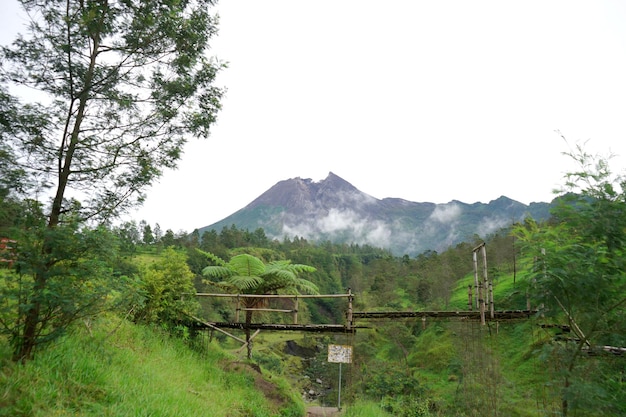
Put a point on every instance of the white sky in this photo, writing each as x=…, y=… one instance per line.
x=428, y=101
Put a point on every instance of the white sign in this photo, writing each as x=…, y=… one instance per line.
x=339, y=353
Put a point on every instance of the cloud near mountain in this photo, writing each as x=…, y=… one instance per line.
x=335, y=210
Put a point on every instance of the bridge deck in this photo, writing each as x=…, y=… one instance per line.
x=472, y=315
x=341, y=328
x=319, y=328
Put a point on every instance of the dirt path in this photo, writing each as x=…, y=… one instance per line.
x=322, y=412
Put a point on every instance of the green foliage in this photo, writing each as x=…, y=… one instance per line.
x=389, y=381
x=407, y=406
x=81, y=281
x=247, y=274
x=115, y=368
x=120, y=89
x=433, y=349
x=579, y=277
x=165, y=284
x=366, y=409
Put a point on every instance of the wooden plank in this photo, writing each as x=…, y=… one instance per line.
x=498, y=315
x=203, y=294
x=331, y=328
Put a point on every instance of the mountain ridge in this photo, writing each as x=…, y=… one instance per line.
x=333, y=209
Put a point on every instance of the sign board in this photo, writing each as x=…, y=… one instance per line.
x=339, y=353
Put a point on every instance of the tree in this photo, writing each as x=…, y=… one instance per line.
x=579, y=277
x=165, y=282
x=168, y=239
x=147, y=236
x=83, y=278
x=122, y=86
x=128, y=234
x=247, y=274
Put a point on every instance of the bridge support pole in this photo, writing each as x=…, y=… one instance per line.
x=237, y=309
x=484, y=286
x=349, y=313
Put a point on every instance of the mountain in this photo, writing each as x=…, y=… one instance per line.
x=335, y=210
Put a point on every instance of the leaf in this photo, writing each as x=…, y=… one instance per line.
x=217, y=272
x=246, y=282
x=246, y=265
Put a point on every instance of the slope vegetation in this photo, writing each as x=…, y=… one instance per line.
x=116, y=368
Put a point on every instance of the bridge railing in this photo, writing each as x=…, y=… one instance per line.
x=294, y=297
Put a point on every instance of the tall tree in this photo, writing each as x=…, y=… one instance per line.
x=580, y=259
x=247, y=274
x=122, y=85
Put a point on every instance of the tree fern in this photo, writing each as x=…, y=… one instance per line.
x=248, y=274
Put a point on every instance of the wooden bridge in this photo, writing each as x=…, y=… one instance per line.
x=480, y=306
x=349, y=325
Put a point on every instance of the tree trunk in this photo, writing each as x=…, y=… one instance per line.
x=247, y=330
x=32, y=320
x=564, y=403
x=23, y=352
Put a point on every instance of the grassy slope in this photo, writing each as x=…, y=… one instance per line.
x=495, y=368
x=132, y=370
x=120, y=369
x=462, y=363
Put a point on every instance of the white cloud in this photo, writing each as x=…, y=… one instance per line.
x=446, y=213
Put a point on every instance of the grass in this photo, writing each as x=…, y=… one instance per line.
x=508, y=293
x=365, y=409
x=137, y=371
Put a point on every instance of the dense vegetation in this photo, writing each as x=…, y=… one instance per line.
x=91, y=311
x=565, y=360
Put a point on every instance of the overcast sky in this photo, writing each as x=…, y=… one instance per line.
x=429, y=101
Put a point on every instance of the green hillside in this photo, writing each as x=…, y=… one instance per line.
x=110, y=367
x=105, y=330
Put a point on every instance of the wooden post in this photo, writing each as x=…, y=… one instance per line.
x=349, y=324
x=423, y=322
x=487, y=285
x=237, y=309
x=469, y=297
x=481, y=302
x=476, y=278
x=491, y=306
x=295, y=310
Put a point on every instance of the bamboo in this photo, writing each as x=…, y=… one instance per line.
x=246, y=343
x=349, y=324
x=476, y=278
x=238, y=308
x=491, y=306
x=295, y=310
x=481, y=302
x=204, y=294
x=486, y=284
x=212, y=327
x=275, y=310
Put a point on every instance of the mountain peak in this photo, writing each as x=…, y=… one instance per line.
x=333, y=209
